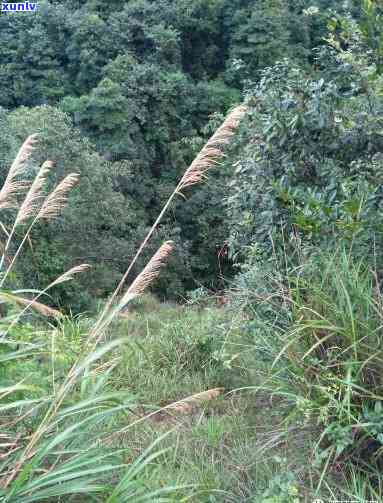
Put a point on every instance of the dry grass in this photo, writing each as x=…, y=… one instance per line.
x=187, y=405
x=12, y=186
x=35, y=195
x=54, y=203
x=148, y=275
x=36, y=204
x=33, y=304
x=212, y=151
x=70, y=274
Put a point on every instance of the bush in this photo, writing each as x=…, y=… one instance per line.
x=326, y=359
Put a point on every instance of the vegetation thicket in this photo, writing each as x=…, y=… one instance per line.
x=249, y=369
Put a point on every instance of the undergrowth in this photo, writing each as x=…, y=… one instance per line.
x=318, y=348
x=60, y=408
x=275, y=396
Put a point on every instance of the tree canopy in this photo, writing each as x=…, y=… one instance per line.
x=128, y=94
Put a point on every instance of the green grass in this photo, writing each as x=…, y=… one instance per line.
x=268, y=437
x=322, y=363
x=172, y=352
x=282, y=429
x=233, y=448
x=301, y=415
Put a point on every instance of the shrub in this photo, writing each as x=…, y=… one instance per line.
x=326, y=360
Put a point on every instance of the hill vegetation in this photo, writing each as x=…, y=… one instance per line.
x=126, y=93
x=191, y=286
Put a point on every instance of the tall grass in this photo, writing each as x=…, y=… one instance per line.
x=326, y=364
x=53, y=438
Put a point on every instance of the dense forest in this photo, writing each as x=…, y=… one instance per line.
x=190, y=271
x=125, y=95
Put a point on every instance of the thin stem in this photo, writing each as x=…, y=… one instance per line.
x=135, y=258
x=9, y=268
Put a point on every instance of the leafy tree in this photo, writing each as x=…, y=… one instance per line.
x=261, y=35
x=140, y=80
x=310, y=163
x=31, y=65
x=89, y=49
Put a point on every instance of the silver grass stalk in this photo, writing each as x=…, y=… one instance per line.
x=30, y=204
x=33, y=304
x=148, y=274
x=32, y=201
x=212, y=151
x=57, y=199
x=12, y=187
x=143, y=280
x=70, y=274
x=66, y=276
x=49, y=209
x=28, y=208
x=196, y=172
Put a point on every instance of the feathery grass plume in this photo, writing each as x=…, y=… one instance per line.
x=69, y=275
x=183, y=406
x=35, y=194
x=48, y=209
x=36, y=306
x=211, y=152
x=58, y=197
x=188, y=404
x=194, y=174
x=28, y=208
x=12, y=187
x=46, y=311
x=148, y=274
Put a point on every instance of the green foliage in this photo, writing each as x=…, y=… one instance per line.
x=305, y=208
x=324, y=360
x=315, y=162
x=141, y=80
x=282, y=488
x=261, y=35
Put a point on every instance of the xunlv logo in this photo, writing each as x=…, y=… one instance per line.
x=18, y=7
